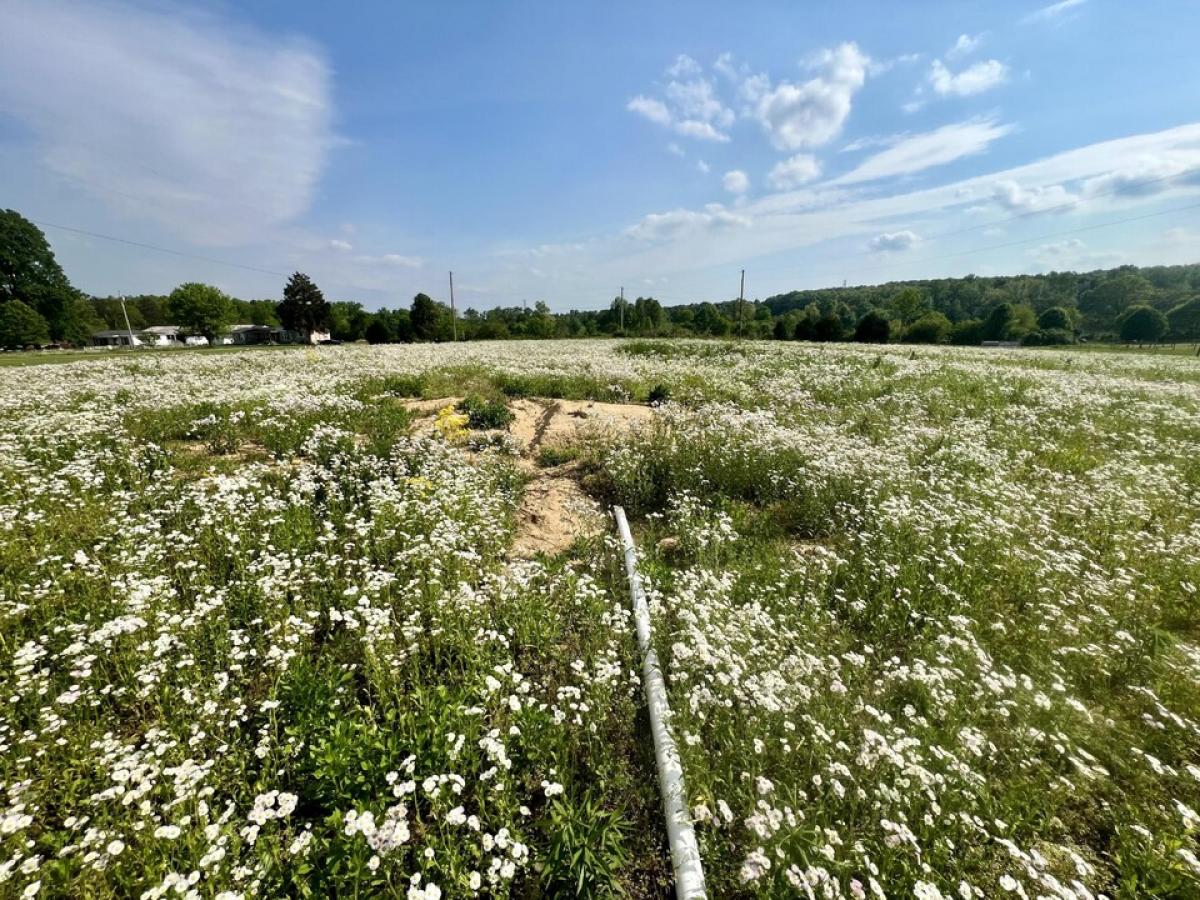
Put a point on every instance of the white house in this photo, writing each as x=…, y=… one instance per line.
x=115, y=338
x=163, y=336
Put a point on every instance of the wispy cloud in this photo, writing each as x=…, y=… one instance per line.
x=687, y=240
x=217, y=132
x=964, y=46
x=918, y=152
x=1051, y=12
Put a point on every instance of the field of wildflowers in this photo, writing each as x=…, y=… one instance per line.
x=929, y=621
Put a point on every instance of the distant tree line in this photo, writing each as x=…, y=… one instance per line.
x=38, y=306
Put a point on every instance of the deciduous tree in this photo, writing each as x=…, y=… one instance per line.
x=202, y=308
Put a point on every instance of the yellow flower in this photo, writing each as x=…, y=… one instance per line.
x=451, y=425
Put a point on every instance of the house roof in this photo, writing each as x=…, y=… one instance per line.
x=162, y=329
x=116, y=332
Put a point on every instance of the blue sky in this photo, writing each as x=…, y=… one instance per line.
x=558, y=151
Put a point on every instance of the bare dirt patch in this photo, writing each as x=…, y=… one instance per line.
x=555, y=511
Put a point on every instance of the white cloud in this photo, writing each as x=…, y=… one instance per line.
x=924, y=151
x=675, y=150
x=696, y=100
x=390, y=261
x=690, y=106
x=975, y=79
x=1053, y=11
x=1182, y=236
x=654, y=110
x=218, y=132
x=1013, y=196
x=812, y=113
x=340, y=245
x=703, y=131
x=863, y=143
x=1058, y=250
x=790, y=231
x=893, y=242
x=794, y=171
x=703, y=167
x=684, y=67
x=404, y=262
x=735, y=181
x=1147, y=176
x=681, y=222
x=964, y=46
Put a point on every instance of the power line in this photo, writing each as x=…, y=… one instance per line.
x=144, y=246
x=827, y=259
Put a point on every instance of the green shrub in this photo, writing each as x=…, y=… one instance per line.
x=551, y=455
x=484, y=414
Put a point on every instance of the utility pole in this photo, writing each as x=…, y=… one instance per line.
x=453, y=311
x=622, y=309
x=742, y=304
x=128, y=327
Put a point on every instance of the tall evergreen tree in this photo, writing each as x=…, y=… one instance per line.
x=304, y=308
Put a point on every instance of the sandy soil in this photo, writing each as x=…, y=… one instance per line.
x=555, y=511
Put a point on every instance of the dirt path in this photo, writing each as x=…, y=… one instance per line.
x=555, y=511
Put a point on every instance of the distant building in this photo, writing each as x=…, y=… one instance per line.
x=258, y=334
x=163, y=336
x=119, y=339
x=154, y=336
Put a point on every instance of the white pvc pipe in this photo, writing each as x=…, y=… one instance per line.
x=685, y=852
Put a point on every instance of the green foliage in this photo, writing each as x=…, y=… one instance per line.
x=551, y=455
x=1055, y=318
x=379, y=332
x=204, y=309
x=873, y=328
x=21, y=325
x=828, y=328
x=586, y=850
x=28, y=268
x=1184, y=320
x=304, y=308
x=660, y=393
x=1048, y=337
x=931, y=328
x=427, y=318
x=908, y=305
x=1143, y=323
x=967, y=332
x=483, y=413
x=30, y=273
